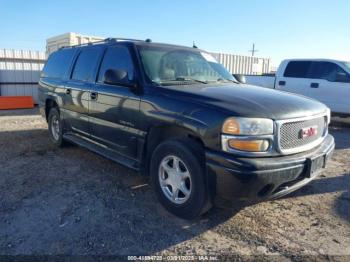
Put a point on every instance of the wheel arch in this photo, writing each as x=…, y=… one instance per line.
x=49, y=103
x=158, y=134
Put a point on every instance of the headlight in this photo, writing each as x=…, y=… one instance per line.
x=247, y=135
x=247, y=126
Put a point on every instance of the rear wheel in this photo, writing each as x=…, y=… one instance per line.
x=178, y=178
x=55, y=127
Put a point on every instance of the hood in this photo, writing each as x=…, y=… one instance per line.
x=252, y=101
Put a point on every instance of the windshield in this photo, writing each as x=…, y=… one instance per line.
x=176, y=66
x=347, y=65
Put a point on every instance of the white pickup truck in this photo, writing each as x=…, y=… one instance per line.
x=322, y=79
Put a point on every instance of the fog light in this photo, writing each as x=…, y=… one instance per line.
x=249, y=145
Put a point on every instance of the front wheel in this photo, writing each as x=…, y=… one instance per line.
x=178, y=178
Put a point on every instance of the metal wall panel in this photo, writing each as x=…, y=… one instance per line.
x=246, y=65
x=20, y=72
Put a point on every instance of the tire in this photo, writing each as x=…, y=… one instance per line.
x=192, y=199
x=55, y=127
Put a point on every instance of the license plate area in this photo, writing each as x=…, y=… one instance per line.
x=315, y=164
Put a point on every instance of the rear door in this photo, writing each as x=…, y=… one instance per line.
x=295, y=78
x=114, y=110
x=330, y=84
x=77, y=90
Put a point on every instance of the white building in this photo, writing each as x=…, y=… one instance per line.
x=68, y=39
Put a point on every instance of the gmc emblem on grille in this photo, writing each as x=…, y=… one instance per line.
x=308, y=132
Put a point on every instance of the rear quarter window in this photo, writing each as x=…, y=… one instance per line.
x=58, y=63
x=297, y=69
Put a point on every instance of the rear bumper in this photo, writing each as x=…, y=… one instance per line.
x=262, y=178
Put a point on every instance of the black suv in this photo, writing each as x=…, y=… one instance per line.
x=176, y=114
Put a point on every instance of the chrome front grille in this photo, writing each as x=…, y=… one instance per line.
x=290, y=134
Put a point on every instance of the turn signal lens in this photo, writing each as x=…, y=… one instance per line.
x=249, y=145
x=231, y=126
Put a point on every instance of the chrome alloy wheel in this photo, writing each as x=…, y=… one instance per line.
x=55, y=127
x=175, y=179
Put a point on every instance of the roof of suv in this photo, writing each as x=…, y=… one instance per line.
x=147, y=42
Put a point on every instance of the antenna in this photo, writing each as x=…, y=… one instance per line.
x=253, y=50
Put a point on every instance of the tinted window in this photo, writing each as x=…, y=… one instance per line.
x=86, y=64
x=58, y=63
x=117, y=57
x=298, y=69
x=326, y=70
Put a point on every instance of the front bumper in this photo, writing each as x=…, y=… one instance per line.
x=268, y=177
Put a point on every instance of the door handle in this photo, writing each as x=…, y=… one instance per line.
x=68, y=91
x=93, y=95
x=282, y=83
x=314, y=85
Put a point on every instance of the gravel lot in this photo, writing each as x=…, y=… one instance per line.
x=73, y=202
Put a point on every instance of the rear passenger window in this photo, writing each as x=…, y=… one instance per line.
x=117, y=57
x=297, y=69
x=58, y=63
x=85, y=66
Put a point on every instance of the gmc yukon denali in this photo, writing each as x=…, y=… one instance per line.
x=177, y=115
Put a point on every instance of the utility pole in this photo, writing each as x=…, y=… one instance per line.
x=253, y=50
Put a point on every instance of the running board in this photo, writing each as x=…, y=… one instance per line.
x=101, y=150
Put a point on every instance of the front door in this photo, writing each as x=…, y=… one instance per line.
x=114, y=110
x=327, y=87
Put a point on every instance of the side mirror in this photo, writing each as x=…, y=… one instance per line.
x=117, y=77
x=342, y=77
x=240, y=78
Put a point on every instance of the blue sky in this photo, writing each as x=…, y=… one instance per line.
x=279, y=28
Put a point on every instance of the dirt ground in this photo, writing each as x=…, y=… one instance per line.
x=72, y=202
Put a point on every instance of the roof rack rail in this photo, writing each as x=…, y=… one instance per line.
x=116, y=39
x=85, y=44
x=109, y=39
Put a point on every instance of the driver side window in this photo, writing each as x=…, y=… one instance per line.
x=328, y=71
x=117, y=57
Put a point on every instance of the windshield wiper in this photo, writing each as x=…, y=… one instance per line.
x=179, y=81
x=190, y=79
x=227, y=80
